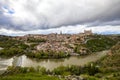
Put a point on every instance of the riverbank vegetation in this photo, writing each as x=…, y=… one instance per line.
x=26, y=73
x=9, y=52
x=48, y=54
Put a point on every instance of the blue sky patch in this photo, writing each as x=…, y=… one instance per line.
x=10, y=11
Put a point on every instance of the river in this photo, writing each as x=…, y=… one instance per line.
x=50, y=64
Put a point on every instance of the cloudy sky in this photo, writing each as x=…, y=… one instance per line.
x=19, y=17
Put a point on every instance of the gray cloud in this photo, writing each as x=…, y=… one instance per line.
x=46, y=14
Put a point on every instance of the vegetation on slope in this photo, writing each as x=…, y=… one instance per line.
x=109, y=65
x=31, y=40
x=7, y=42
x=100, y=43
x=11, y=47
x=9, y=52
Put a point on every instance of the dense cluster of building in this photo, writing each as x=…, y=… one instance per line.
x=58, y=42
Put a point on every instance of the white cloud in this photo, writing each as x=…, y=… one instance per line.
x=70, y=30
x=40, y=14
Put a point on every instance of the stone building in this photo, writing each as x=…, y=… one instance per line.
x=88, y=32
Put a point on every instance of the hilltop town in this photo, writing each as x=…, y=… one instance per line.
x=56, y=45
x=58, y=42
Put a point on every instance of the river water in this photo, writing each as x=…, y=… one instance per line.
x=50, y=64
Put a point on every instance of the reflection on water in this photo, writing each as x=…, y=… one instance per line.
x=4, y=63
x=50, y=63
x=53, y=63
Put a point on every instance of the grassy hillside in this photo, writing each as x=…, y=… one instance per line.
x=99, y=43
x=110, y=65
